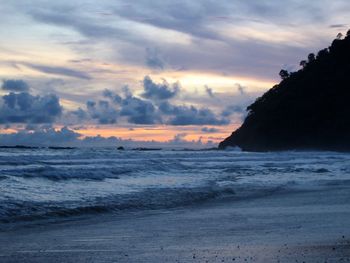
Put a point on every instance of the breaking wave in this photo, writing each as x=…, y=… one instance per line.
x=55, y=183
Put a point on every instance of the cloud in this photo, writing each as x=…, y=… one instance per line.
x=250, y=38
x=135, y=110
x=179, y=137
x=101, y=111
x=209, y=91
x=241, y=89
x=232, y=109
x=41, y=136
x=15, y=85
x=114, y=97
x=188, y=17
x=209, y=130
x=26, y=108
x=162, y=91
x=48, y=136
x=153, y=59
x=45, y=136
x=69, y=15
x=139, y=111
x=153, y=108
x=340, y=26
x=190, y=115
x=62, y=71
x=80, y=114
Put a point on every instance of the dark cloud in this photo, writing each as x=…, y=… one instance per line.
x=209, y=91
x=83, y=60
x=16, y=85
x=190, y=115
x=340, y=26
x=195, y=18
x=209, y=130
x=126, y=91
x=188, y=17
x=241, y=89
x=26, y=108
x=80, y=114
x=135, y=110
x=233, y=109
x=163, y=91
x=31, y=127
x=153, y=59
x=62, y=71
x=40, y=137
x=139, y=111
x=101, y=111
x=68, y=16
x=153, y=108
x=112, y=96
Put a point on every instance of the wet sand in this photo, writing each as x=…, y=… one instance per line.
x=287, y=227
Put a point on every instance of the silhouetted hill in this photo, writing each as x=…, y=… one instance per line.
x=308, y=109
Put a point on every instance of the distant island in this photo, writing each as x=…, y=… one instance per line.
x=308, y=110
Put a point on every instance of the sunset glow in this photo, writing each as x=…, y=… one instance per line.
x=139, y=71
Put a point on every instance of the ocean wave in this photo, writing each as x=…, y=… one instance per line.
x=151, y=199
x=46, y=183
x=59, y=173
x=3, y=177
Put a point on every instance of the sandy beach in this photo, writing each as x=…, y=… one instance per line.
x=282, y=227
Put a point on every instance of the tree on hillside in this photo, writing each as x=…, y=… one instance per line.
x=311, y=57
x=339, y=36
x=284, y=74
x=303, y=63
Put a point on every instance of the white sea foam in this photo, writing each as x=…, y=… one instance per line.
x=42, y=183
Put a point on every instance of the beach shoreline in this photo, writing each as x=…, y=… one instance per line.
x=304, y=226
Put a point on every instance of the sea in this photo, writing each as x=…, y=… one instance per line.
x=39, y=184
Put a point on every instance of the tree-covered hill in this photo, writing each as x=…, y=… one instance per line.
x=308, y=109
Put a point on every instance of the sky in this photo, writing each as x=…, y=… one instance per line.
x=155, y=72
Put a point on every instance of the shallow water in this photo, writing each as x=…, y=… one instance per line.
x=48, y=183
